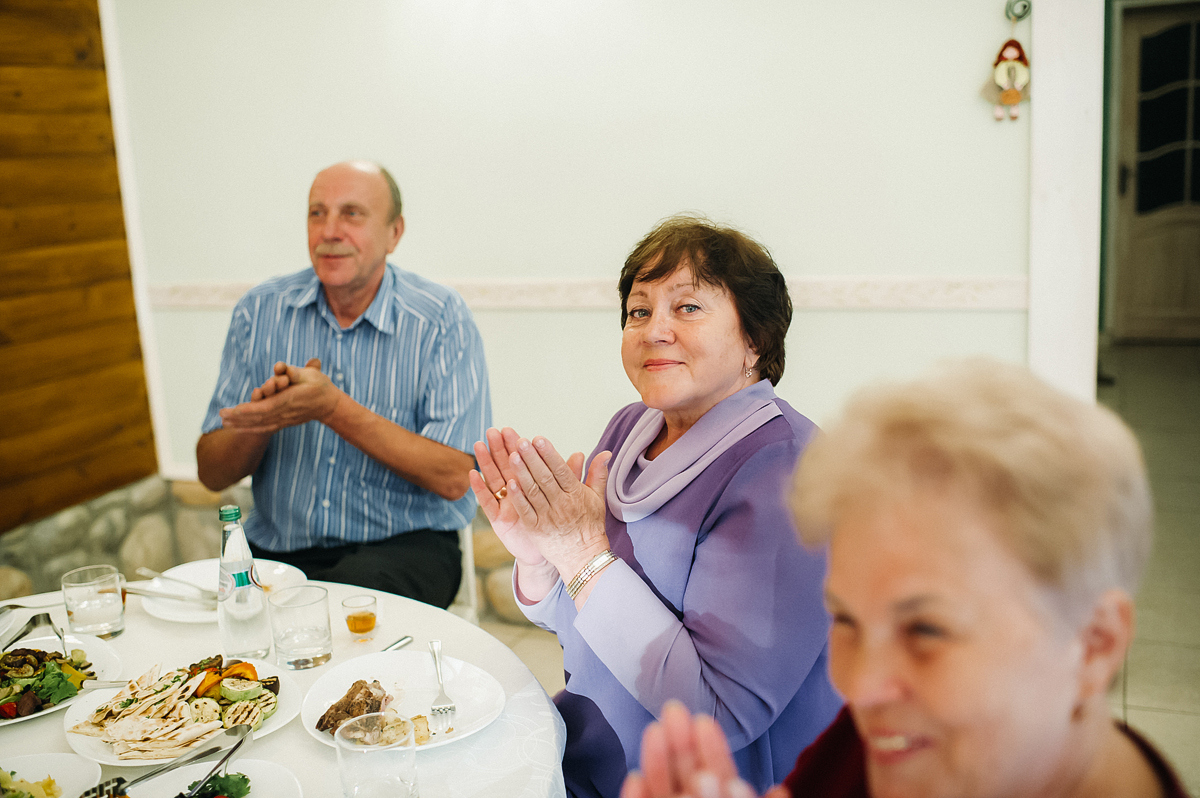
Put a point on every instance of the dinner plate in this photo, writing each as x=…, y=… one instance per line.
x=97, y=750
x=71, y=773
x=205, y=574
x=408, y=677
x=267, y=780
x=105, y=662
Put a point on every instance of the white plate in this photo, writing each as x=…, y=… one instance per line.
x=408, y=677
x=97, y=750
x=267, y=780
x=103, y=657
x=73, y=774
x=205, y=573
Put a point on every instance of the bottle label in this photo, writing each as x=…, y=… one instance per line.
x=229, y=581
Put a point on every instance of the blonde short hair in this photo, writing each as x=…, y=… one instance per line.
x=1064, y=478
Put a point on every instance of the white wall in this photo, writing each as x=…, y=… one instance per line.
x=538, y=140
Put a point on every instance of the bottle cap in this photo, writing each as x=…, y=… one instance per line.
x=229, y=512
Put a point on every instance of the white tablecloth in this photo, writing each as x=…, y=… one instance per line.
x=520, y=754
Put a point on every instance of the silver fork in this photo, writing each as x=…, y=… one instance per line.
x=442, y=708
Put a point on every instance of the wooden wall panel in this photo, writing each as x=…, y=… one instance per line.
x=68, y=178
x=45, y=225
x=58, y=90
x=55, y=268
x=50, y=404
x=55, y=134
x=63, y=356
x=74, y=411
x=53, y=447
x=24, y=319
x=51, y=33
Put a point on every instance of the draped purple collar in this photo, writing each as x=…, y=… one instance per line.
x=637, y=487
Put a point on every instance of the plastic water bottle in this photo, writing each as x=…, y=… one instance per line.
x=241, y=603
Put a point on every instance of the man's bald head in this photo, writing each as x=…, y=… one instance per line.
x=371, y=167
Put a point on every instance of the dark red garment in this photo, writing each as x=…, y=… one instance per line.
x=835, y=765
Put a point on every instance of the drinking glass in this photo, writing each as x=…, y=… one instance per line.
x=300, y=626
x=377, y=756
x=360, y=617
x=94, y=601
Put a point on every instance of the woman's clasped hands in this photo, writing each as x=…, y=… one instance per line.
x=548, y=519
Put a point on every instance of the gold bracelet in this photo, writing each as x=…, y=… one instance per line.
x=594, y=566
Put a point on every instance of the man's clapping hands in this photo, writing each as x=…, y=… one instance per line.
x=291, y=396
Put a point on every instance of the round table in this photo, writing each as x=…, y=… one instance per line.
x=519, y=754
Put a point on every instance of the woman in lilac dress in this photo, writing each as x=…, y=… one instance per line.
x=672, y=571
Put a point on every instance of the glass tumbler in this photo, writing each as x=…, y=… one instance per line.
x=377, y=756
x=94, y=600
x=300, y=626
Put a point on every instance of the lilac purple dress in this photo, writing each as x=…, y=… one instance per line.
x=712, y=601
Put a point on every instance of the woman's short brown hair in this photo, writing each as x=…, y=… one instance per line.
x=1063, y=478
x=727, y=259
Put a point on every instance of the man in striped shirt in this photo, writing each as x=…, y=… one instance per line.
x=353, y=392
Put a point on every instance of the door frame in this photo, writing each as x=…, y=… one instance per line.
x=1066, y=156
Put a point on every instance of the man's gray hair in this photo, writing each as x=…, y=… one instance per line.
x=394, y=190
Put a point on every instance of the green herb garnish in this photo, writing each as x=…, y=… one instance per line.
x=232, y=785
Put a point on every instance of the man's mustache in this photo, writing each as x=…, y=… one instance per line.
x=334, y=249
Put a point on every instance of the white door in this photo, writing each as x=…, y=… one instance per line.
x=1157, y=263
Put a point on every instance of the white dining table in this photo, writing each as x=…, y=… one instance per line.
x=518, y=754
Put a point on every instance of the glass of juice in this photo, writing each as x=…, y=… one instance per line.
x=360, y=617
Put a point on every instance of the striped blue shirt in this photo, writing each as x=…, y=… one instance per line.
x=414, y=357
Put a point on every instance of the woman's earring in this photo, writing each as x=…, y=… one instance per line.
x=749, y=372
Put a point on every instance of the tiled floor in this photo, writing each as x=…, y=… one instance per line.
x=1157, y=391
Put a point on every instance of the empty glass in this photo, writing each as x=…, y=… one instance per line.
x=300, y=626
x=377, y=756
x=94, y=600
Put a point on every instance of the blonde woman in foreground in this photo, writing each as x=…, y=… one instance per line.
x=987, y=534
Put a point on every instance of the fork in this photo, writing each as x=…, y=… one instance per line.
x=442, y=708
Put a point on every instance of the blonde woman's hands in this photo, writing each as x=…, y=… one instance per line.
x=688, y=757
x=564, y=515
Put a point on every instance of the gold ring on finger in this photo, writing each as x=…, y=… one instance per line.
x=500, y=494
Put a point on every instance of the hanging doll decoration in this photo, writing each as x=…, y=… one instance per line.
x=1010, y=74
x=1008, y=86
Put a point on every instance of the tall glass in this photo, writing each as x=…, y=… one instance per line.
x=377, y=756
x=93, y=596
x=300, y=625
